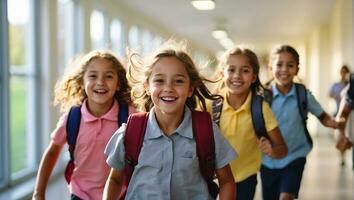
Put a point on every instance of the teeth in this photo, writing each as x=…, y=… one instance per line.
x=168, y=98
x=101, y=91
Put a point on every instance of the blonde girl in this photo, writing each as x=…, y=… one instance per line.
x=168, y=86
x=98, y=84
x=240, y=82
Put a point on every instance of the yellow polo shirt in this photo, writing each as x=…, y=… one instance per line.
x=237, y=128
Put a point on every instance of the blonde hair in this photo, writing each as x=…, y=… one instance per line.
x=140, y=71
x=257, y=86
x=70, y=91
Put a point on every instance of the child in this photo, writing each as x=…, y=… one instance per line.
x=335, y=94
x=281, y=178
x=346, y=106
x=239, y=69
x=168, y=164
x=97, y=84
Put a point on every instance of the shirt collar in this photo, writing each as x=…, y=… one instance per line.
x=184, y=129
x=244, y=106
x=111, y=115
x=276, y=92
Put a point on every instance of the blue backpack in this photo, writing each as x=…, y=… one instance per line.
x=72, y=131
x=257, y=110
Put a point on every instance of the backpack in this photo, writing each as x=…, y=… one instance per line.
x=350, y=93
x=257, y=115
x=203, y=135
x=72, y=131
x=257, y=110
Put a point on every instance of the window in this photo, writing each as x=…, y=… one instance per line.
x=18, y=144
x=146, y=41
x=65, y=33
x=97, y=30
x=134, y=38
x=117, y=38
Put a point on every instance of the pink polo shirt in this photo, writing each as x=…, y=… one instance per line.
x=91, y=171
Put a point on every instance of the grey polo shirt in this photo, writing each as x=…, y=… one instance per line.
x=168, y=166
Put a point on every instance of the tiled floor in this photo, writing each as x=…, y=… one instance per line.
x=324, y=178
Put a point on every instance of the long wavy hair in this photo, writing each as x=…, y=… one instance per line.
x=139, y=72
x=70, y=91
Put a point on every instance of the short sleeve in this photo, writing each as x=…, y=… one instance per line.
x=269, y=118
x=115, y=149
x=59, y=134
x=313, y=106
x=224, y=153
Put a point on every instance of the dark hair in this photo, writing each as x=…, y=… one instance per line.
x=256, y=87
x=285, y=49
x=346, y=68
x=170, y=49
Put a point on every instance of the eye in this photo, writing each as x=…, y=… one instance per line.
x=231, y=70
x=246, y=70
x=92, y=76
x=179, y=81
x=109, y=76
x=159, y=80
x=291, y=65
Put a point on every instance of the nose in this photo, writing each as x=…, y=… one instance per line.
x=169, y=86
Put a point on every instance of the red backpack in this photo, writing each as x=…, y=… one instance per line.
x=203, y=135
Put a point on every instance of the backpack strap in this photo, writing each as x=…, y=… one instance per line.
x=257, y=116
x=123, y=114
x=301, y=95
x=72, y=128
x=204, y=138
x=72, y=131
x=217, y=108
x=350, y=93
x=133, y=141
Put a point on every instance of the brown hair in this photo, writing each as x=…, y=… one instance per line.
x=69, y=91
x=256, y=87
x=139, y=73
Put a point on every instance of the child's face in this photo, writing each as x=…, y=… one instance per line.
x=169, y=85
x=284, y=69
x=238, y=75
x=100, y=82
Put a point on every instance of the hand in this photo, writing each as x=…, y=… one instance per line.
x=340, y=123
x=265, y=145
x=343, y=143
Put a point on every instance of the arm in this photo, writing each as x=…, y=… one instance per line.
x=343, y=142
x=343, y=114
x=328, y=121
x=46, y=166
x=113, y=185
x=276, y=147
x=226, y=183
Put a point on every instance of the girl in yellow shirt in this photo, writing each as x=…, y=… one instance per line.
x=239, y=69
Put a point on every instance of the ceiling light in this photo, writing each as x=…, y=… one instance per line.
x=219, y=33
x=203, y=4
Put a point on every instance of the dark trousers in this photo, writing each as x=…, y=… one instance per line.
x=246, y=189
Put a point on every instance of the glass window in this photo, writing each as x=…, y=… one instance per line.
x=147, y=41
x=97, y=30
x=117, y=38
x=65, y=33
x=134, y=41
x=21, y=88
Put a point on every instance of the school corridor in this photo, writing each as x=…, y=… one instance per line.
x=40, y=38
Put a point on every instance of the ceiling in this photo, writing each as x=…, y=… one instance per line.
x=258, y=23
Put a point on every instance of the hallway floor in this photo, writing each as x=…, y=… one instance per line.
x=324, y=178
